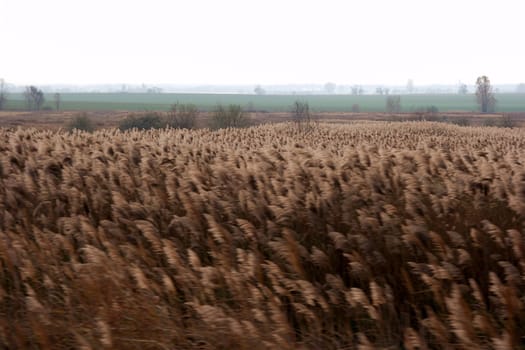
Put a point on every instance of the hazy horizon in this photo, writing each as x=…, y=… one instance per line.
x=260, y=42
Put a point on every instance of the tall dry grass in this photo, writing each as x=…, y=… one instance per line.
x=363, y=236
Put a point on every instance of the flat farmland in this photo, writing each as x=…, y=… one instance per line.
x=271, y=103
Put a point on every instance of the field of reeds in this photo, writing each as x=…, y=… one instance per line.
x=357, y=236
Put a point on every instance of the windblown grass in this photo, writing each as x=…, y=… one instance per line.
x=372, y=235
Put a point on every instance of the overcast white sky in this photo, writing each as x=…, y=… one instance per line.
x=261, y=42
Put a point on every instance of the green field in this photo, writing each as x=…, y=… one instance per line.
x=271, y=103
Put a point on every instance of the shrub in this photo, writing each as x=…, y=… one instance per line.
x=81, y=122
x=301, y=113
x=250, y=107
x=182, y=116
x=462, y=121
x=489, y=122
x=429, y=113
x=506, y=121
x=228, y=117
x=428, y=109
x=150, y=120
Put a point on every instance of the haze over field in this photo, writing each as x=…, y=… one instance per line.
x=260, y=42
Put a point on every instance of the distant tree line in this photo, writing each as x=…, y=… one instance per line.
x=33, y=97
x=181, y=116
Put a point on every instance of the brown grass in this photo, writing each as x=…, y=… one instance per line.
x=362, y=236
x=52, y=120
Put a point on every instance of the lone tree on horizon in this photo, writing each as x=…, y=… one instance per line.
x=485, y=95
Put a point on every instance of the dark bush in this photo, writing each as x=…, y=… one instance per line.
x=81, y=122
x=182, y=116
x=461, y=121
x=507, y=121
x=150, y=120
x=432, y=110
x=229, y=117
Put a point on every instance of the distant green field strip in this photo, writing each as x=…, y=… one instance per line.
x=273, y=103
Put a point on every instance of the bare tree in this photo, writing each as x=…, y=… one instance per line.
x=3, y=97
x=462, y=89
x=259, y=90
x=34, y=98
x=182, y=116
x=410, y=86
x=301, y=114
x=28, y=98
x=357, y=90
x=57, y=98
x=393, y=104
x=229, y=117
x=485, y=95
x=329, y=87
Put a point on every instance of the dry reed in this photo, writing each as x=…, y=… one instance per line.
x=361, y=236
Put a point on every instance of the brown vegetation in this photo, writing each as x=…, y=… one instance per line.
x=376, y=235
x=53, y=120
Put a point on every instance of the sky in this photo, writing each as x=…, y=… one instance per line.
x=261, y=42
